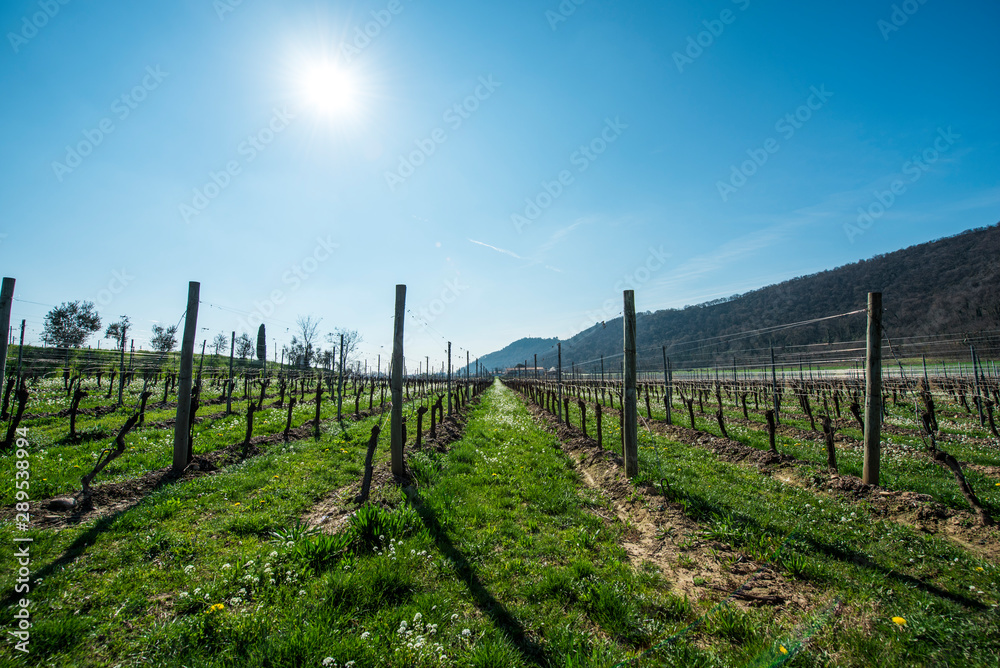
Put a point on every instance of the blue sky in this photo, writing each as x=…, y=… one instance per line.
x=515, y=164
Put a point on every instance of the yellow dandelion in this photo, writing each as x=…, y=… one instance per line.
x=978, y=568
x=217, y=606
x=899, y=620
x=237, y=503
x=781, y=648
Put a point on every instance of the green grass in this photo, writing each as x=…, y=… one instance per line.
x=878, y=569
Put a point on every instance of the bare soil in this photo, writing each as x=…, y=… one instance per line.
x=658, y=532
x=919, y=511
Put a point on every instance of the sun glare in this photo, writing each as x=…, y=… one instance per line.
x=329, y=89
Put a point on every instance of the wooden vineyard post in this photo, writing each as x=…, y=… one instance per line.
x=559, y=383
x=229, y=385
x=121, y=369
x=774, y=388
x=184, y=381
x=666, y=384
x=975, y=378
x=435, y=410
x=396, y=420
x=449, y=379
x=201, y=361
x=630, y=434
x=319, y=399
x=873, y=391
x=600, y=432
x=340, y=381
x=6, y=301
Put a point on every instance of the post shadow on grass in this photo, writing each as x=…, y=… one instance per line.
x=704, y=509
x=530, y=651
x=78, y=546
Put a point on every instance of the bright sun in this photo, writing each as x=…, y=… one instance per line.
x=329, y=89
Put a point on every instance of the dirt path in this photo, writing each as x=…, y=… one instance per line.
x=918, y=511
x=658, y=532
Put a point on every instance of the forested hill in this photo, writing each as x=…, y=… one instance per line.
x=517, y=352
x=951, y=285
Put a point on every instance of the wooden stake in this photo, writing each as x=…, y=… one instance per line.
x=774, y=388
x=6, y=301
x=20, y=351
x=873, y=391
x=975, y=378
x=449, y=379
x=184, y=382
x=121, y=367
x=559, y=383
x=229, y=387
x=201, y=360
x=396, y=419
x=340, y=381
x=630, y=434
x=666, y=384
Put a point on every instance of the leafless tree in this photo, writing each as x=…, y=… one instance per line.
x=351, y=341
x=220, y=343
x=244, y=346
